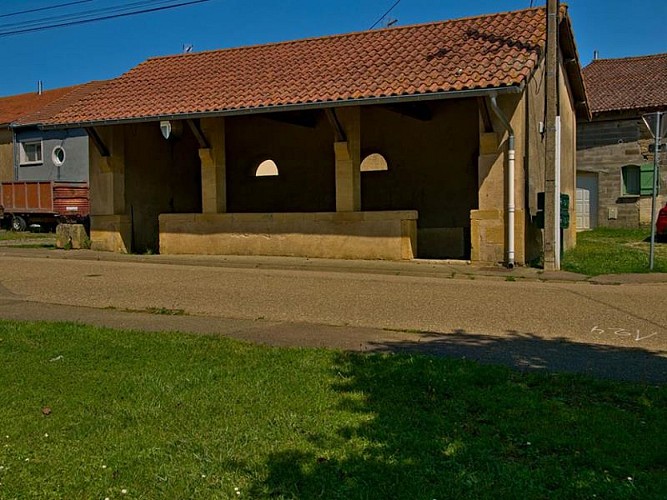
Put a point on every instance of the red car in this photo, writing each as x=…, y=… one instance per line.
x=661, y=224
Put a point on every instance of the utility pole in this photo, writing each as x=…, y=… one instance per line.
x=551, y=196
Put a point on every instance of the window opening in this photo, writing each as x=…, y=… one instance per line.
x=267, y=168
x=631, y=180
x=58, y=156
x=31, y=152
x=374, y=163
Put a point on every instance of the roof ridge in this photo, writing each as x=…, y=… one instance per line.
x=70, y=91
x=626, y=58
x=45, y=91
x=343, y=35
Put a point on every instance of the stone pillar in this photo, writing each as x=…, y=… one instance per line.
x=488, y=224
x=110, y=225
x=348, y=161
x=213, y=167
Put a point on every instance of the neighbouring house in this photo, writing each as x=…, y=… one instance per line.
x=11, y=109
x=614, y=150
x=28, y=153
x=386, y=144
x=43, y=173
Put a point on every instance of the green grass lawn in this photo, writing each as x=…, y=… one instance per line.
x=181, y=416
x=27, y=239
x=612, y=251
x=6, y=235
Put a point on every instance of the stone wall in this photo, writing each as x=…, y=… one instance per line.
x=432, y=168
x=604, y=146
x=304, y=155
x=334, y=235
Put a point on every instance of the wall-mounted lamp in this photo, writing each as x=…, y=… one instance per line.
x=171, y=129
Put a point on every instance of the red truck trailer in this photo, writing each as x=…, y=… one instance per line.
x=43, y=203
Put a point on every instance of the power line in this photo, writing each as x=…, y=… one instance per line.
x=51, y=25
x=85, y=14
x=384, y=15
x=40, y=9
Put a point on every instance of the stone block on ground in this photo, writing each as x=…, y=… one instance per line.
x=71, y=236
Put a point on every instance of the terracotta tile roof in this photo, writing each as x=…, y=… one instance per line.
x=627, y=83
x=47, y=111
x=15, y=106
x=488, y=51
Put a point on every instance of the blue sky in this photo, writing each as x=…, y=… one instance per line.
x=106, y=49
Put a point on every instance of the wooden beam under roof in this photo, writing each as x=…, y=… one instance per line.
x=306, y=119
x=97, y=141
x=416, y=110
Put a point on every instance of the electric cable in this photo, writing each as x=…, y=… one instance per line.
x=40, y=9
x=384, y=15
x=85, y=14
x=77, y=19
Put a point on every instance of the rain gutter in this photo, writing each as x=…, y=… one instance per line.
x=510, y=179
x=430, y=96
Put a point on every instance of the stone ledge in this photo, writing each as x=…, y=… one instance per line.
x=387, y=235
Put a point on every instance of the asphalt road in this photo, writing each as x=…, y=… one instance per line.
x=617, y=331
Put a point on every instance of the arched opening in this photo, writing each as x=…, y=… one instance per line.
x=374, y=162
x=267, y=168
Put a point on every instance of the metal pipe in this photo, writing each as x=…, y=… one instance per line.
x=654, y=192
x=510, y=179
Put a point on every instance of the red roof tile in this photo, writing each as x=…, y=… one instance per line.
x=15, y=106
x=628, y=83
x=46, y=112
x=489, y=51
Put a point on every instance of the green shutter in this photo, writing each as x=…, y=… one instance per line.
x=646, y=180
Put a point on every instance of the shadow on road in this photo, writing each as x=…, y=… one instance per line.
x=527, y=351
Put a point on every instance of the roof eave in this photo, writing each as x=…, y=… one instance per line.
x=430, y=96
x=611, y=114
x=15, y=125
x=573, y=68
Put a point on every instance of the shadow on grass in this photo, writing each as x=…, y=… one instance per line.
x=435, y=427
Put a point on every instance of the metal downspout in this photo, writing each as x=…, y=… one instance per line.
x=510, y=179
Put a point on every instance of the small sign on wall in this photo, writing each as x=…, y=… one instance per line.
x=612, y=213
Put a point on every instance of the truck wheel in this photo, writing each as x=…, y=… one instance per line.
x=18, y=223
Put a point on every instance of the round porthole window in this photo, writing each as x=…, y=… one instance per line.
x=58, y=156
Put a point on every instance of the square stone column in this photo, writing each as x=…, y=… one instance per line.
x=110, y=226
x=213, y=167
x=489, y=225
x=348, y=161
